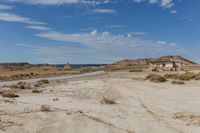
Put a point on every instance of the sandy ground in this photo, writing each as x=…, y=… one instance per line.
x=141, y=107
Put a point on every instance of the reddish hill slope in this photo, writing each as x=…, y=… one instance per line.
x=139, y=62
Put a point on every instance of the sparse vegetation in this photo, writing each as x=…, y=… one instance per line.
x=36, y=91
x=110, y=96
x=10, y=95
x=197, y=77
x=45, y=108
x=44, y=81
x=172, y=76
x=8, y=101
x=187, y=76
x=135, y=70
x=21, y=85
x=155, y=78
x=178, y=82
x=184, y=77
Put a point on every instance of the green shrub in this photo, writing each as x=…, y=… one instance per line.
x=10, y=95
x=156, y=78
x=177, y=82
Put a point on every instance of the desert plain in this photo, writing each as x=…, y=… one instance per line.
x=107, y=102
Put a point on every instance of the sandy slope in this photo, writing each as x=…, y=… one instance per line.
x=143, y=107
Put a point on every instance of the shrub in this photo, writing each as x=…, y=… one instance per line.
x=136, y=70
x=155, y=78
x=187, y=76
x=172, y=76
x=45, y=108
x=10, y=95
x=36, y=91
x=44, y=81
x=178, y=82
x=21, y=85
x=197, y=76
x=110, y=96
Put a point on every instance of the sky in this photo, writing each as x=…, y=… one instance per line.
x=98, y=31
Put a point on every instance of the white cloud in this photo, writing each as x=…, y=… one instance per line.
x=161, y=42
x=104, y=11
x=106, y=47
x=167, y=3
x=35, y=27
x=94, y=32
x=6, y=7
x=173, y=12
x=172, y=44
x=163, y=3
x=16, y=18
x=60, y=2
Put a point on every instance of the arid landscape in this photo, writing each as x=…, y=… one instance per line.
x=119, y=101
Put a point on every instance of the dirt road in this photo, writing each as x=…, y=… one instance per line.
x=79, y=76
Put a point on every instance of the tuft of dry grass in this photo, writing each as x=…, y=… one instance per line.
x=135, y=70
x=110, y=96
x=187, y=76
x=45, y=108
x=36, y=91
x=172, y=76
x=44, y=81
x=184, y=77
x=21, y=85
x=10, y=95
x=178, y=82
x=155, y=78
x=197, y=77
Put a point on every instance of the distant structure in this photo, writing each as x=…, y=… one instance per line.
x=160, y=66
x=163, y=63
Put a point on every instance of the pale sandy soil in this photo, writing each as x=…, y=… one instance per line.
x=141, y=107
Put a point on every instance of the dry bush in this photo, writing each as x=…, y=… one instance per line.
x=44, y=81
x=172, y=76
x=187, y=76
x=136, y=70
x=36, y=91
x=197, y=77
x=110, y=96
x=21, y=85
x=10, y=95
x=8, y=101
x=45, y=108
x=178, y=82
x=155, y=78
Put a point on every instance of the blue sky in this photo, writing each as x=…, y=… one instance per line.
x=97, y=31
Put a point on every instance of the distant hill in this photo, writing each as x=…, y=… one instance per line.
x=176, y=59
x=147, y=61
x=23, y=65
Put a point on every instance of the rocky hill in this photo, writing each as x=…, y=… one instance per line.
x=147, y=61
x=176, y=59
